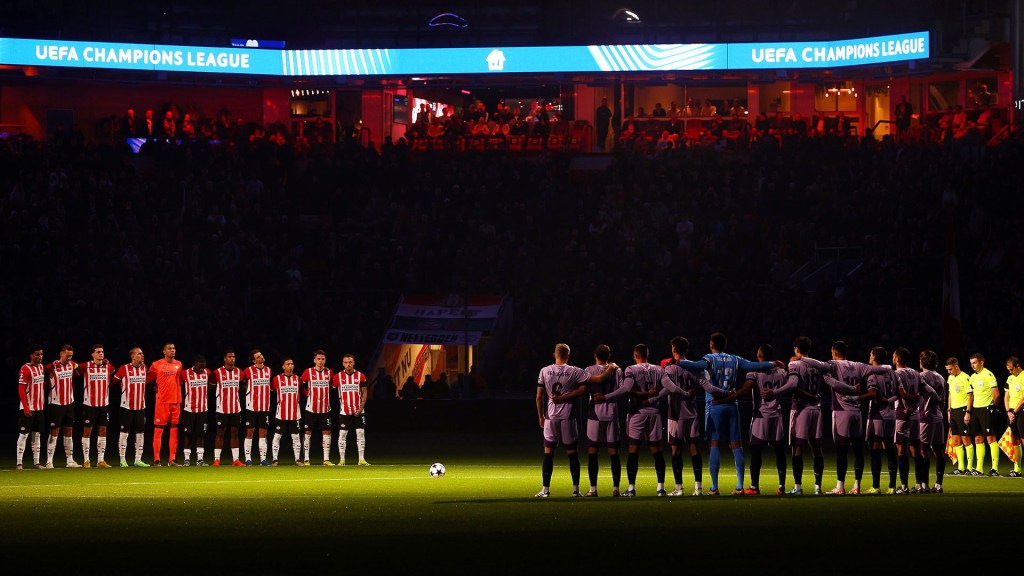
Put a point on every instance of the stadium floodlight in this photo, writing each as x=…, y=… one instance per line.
x=448, y=20
x=626, y=16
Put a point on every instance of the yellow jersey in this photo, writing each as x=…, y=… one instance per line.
x=959, y=388
x=982, y=384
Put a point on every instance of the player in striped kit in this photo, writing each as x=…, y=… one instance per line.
x=132, y=379
x=933, y=431
x=847, y=379
x=96, y=375
x=61, y=408
x=167, y=411
x=316, y=387
x=32, y=397
x=195, y=415
x=227, y=378
x=351, y=385
x=286, y=420
x=256, y=389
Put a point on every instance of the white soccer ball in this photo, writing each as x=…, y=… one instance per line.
x=437, y=470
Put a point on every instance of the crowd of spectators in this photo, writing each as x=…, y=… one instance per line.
x=293, y=248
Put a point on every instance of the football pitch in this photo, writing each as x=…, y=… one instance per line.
x=481, y=517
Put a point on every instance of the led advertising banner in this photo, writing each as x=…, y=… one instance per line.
x=436, y=61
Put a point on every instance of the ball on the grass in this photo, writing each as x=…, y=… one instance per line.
x=437, y=470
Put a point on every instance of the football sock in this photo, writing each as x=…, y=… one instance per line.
x=1017, y=457
x=22, y=442
x=926, y=465
x=101, y=447
x=247, y=446
x=546, y=468
x=961, y=457
x=697, y=465
x=798, y=469
x=918, y=470
x=263, y=448
x=892, y=461
x=737, y=456
x=296, y=446
x=677, y=468
x=592, y=470
x=140, y=440
x=994, y=449
x=969, y=448
x=714, y=463
x=158, y=442
x=819, y=469
x=216, y=453
x=858, y=462
x=36, y=437
x=51, y=445
x=780, y=463
x=199, y=453
x=234, y=454
x=361, y=444
x=659, y=467
x=69, y=448
x=574, y=468
x=616, y=466
x=276, y=447
x=122, y=446
x=841, y=484
x=305, y=445
x=188, y=454
x=327, y=448
x=172, y=444
x=755, y=465
x=342, y=444
x=842, y=461
x=903, y=463
x=86, y=448
x=632, y=465
x=940, y=462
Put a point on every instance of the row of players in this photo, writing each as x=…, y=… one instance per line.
x=47, y=396
x=906, y=411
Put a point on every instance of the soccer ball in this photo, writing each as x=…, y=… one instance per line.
x=437, y=470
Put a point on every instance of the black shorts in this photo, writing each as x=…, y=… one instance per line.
x=60, y=415
x=132, y=421
x=257, y=419
x=1018, y=426
x=95, y=416
x=956, y=422
x=982, y=421
x=34, y=422
x=228, y=420
x=352, y=422
x=194, y=424
x=313, y=421
x=286, y=427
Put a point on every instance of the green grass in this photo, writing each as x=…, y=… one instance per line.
x=394, y=517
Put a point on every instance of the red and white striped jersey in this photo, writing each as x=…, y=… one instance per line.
x=133, y=386
x=350, y=390
x=257, y=397
x=97, y=383
x=287, y=389
x=227, y=389
x=196, y=390
x=58, y=380
x=318, y=390
x=34, y=379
